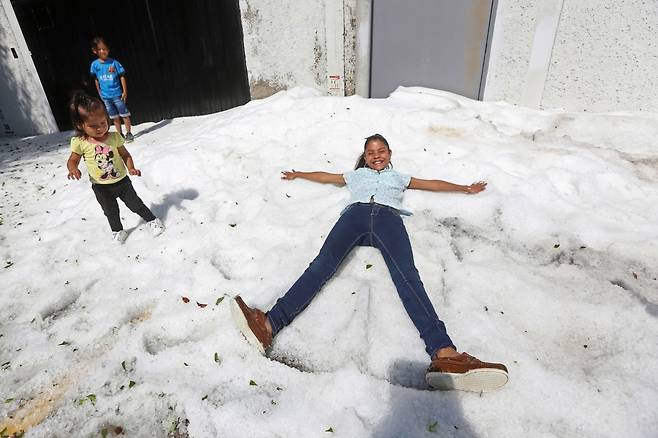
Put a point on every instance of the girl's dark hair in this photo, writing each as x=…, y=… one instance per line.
x=96, y=41
x=361, y=161
x=80, y=106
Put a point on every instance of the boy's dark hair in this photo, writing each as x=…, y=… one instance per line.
x=80, y=106
x=96, y=41
x=361, y=161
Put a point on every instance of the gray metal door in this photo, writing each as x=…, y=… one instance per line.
x=430, y=43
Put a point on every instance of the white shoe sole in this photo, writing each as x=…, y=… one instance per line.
x=241, y=323
x=121, y=239
x=156, y=230
x=480, y=380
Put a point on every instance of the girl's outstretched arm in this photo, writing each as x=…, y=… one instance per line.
x=320, y=177
x=436, y=185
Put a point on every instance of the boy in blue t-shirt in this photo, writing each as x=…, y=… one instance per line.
x=110, y=79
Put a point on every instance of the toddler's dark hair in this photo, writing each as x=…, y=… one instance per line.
x=80, y=106
x=361, y=161
x=96, y=41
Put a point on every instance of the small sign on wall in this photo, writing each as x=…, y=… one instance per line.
x=336, y=85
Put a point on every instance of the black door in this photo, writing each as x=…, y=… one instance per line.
x=182, y=57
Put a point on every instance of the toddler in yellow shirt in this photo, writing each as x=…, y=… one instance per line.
x=108, y=164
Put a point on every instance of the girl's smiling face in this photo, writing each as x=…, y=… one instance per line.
x=95, y=125
x=377, y=155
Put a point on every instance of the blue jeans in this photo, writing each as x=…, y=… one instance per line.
x=374, y=225
x=116, y=107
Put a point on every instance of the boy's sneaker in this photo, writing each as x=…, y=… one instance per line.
x=119, y=236
x=156, y=226
x=129, y=137
x=465, y=373
x=251, y=323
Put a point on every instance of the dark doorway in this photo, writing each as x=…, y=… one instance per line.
x=182, y=57
x=430, y=43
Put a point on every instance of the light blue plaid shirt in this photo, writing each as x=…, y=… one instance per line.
x=385, y=187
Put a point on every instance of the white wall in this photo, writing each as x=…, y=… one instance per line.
x=284, y=44
x=290, y=42
x=362, y=29
x=604, y=57
x=24, y=109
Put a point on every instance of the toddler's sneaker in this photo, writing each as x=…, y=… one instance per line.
x=156, y=226
x=465, y=373
x=119, y=236
x=129, y=137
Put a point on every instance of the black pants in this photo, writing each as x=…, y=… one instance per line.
x=107, y=194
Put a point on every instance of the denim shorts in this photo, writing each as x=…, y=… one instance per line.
x=116, y=107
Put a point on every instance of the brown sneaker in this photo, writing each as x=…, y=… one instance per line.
x=251, y=323
x=465, y=373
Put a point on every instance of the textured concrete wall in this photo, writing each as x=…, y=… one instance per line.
x=284, y=42
x=350, y=42
x=604, y=58
x=362, y=59
x=511, y=46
